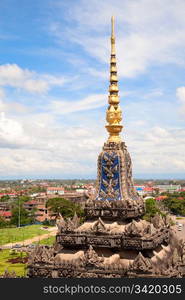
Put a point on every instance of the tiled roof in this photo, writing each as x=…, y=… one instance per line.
x=4, y=213
x=55, y=189
x=31, y=202
x=148, y=189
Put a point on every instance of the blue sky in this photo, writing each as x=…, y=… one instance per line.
x=54, y=71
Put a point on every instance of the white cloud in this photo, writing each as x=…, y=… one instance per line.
x=13, y=107
x=157, y=150
x=11, y=132
x=26, y=163
x=57, y=142
x=38, y=146
x=14, y=76
x=180, y=93
x=90, y=102
x=148, y=32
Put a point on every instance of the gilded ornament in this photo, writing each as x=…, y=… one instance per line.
x=114, y=113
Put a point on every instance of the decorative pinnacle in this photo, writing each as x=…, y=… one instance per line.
x=112, y=23
x=112, y=36
x=114, y=113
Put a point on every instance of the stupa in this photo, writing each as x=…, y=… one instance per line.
x=114, y=240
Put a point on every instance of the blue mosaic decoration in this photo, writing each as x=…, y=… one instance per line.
x=110, y=188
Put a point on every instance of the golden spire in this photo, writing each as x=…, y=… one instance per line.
x=112, y=37
x=114, y=113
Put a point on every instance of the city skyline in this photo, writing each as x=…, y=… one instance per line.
x=54, y=75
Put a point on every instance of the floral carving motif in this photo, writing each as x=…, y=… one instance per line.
x=67, y=225
x=141, y=264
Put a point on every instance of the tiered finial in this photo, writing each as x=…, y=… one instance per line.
x=114, y=113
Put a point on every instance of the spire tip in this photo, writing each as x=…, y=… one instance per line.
x=112, y=22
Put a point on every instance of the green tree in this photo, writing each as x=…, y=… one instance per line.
x=65, y=207
x=37, y=189
x=24, y=198
x=4, y=198
x=25, y=216
x=3, y=223
x=151, y=209
x=176, y=203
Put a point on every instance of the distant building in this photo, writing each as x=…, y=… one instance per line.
x=170, y=188
x=144, y=190
x=42, y=213
x=161, y=198
x=81, y=190
x=139, y=189
x=148, y=190
x=55, y=190
x=29, y=205
x=11, y=195
x=5, y=206
x=76, y=197
x=6, y=215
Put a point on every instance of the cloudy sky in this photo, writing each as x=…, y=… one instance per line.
x=54, y=71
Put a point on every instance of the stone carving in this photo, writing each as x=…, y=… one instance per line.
x=42, y=254
x=175, y=259
x=60, y=222
x=36, y=271
x=129, y=180
x=76, y=220
x=150, y=230
x=67, y=239
x=70, y=226
x=67, y=225
x=112, y=260
x=167, y=221
x=8, y=274
x=141, y=264
x=158, y=221
x=133, y=229
x=92, y=258
x=117, y=209
x=99, y=227
x=183, y=254
x=89, y=202
x=99, y=241
x=78, y=259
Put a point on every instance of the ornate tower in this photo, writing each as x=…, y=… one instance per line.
x=114, y=113
x=114, y=240
x=114, y=181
